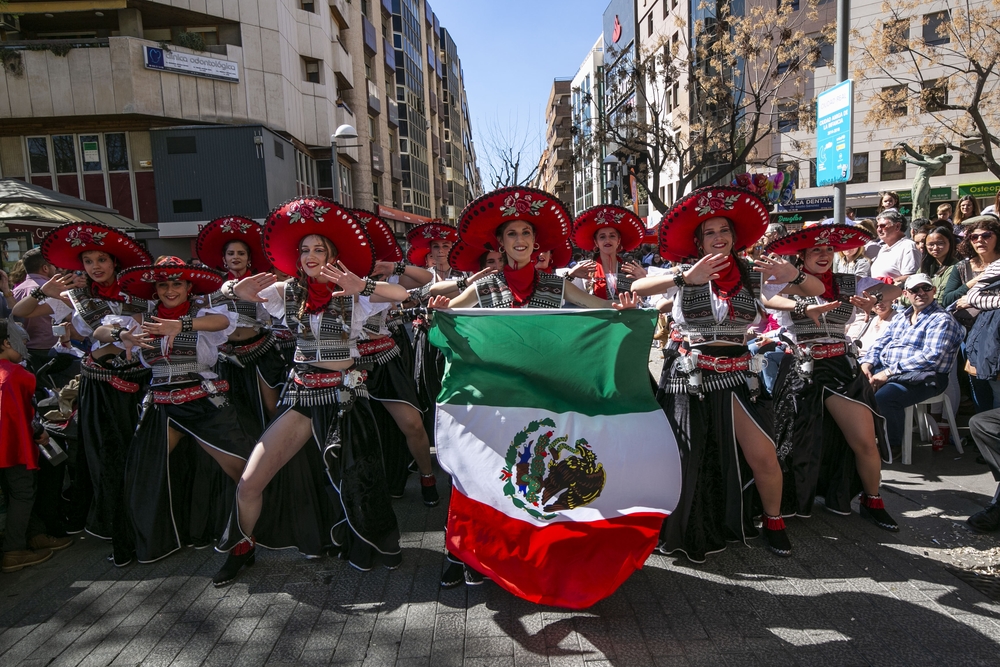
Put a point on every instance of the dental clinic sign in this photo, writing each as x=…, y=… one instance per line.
x=190, y=64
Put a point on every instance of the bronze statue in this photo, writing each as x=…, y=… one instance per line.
x=921, y=189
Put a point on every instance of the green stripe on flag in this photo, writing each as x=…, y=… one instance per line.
x=592, y=362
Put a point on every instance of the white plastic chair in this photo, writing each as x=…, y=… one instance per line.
x=949, y=415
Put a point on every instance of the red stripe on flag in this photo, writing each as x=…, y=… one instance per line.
x=565, y=564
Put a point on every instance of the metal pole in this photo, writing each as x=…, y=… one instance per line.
x=841, y=52
x=334, y=168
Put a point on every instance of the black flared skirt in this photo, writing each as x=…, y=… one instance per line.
x=108, y=419
x=427, y=372
x=717, y=492
x=815, y=457
x=176, y=498
x=389, y=382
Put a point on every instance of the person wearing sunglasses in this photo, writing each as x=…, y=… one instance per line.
x=911, y=362
x=899, y=257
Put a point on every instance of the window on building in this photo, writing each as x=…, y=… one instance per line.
x=936, y=28
x=90, y=149
x=375, y=194
x=934, y=95
x=372, y=129
x=892, y=168
x=895, y=99
x=670, y=194
x=308, y=6
x=788, y=116
x=823, y=50
x=368, y=67
x=859, y=169
x=934, y=151
x=812, y=173
x=279, y=150
x=38, y=155
x=366, y=9
x=666, y=9
x=116, y=151
x=311, y=66
x=649, y=25
x=970, y=164
x=896, y=35
x=179, y=145
x=64, y=153
x=346, y=191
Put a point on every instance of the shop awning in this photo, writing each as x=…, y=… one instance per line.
x=26, y=205
x=401, y=216
x=979, y=190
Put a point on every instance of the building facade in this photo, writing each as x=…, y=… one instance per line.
x=555, y=172
x=86, y=84
x=587, y=107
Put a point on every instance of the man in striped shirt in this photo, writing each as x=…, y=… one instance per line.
x=911, y=361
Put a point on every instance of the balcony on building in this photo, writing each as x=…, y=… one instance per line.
x=341, y=13
x=564, y=156
x=436, y=144
x=387, y=7
x=378, y=158
x=392, y=114
x=343, y=65
x=370, y=35
x=374, y=104
x=434, y=101
x=390, y=54
x=395, y=167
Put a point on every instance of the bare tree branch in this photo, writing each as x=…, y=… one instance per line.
x=511, y=153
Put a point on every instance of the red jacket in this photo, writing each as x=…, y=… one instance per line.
x=17, y=444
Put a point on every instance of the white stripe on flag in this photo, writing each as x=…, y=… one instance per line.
x=637, y=451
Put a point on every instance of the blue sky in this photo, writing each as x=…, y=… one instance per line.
x=511, y=50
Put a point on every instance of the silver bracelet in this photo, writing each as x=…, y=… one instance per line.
x=462, y=284
x=370, y=286
x=228, y=290
x=399, y=269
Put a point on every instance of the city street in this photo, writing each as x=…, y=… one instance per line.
x=850, y=595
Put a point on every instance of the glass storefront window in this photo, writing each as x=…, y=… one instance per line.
x=64, y=152
x=90, y=148
x=38, y=155
x=116, y=151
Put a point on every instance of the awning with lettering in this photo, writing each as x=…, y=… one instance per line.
x=988, y=189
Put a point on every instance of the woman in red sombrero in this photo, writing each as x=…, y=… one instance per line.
x=390, y=382
x=609, y=230
x=708, y=388
x=519, y=223
x=827, y=425
x=557, y=258
x=326, y=400
x=178, y=340
x=111, y=385
x=250, y=361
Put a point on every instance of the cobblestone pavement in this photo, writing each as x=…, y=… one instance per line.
x=850, y=595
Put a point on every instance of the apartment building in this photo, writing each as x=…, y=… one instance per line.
x=874, y=167
x=114, y=101
x=555, y=170
x=587, y=103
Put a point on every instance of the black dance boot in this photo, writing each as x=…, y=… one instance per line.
x=244, y=554
x=775, y=536
x=873, y=509
x=428, y=489
x=454, y=573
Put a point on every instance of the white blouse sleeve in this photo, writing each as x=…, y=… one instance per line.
x=275, y=304
x=60, y=311
x=216, y=338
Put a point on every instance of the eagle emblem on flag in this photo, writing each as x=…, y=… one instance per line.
x=541, y=481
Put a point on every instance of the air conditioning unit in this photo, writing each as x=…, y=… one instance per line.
x=10, y=22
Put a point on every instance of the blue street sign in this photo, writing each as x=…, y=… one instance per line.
x=834, y=139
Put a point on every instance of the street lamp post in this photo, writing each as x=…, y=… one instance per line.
x=346, y=132
x=612, y=161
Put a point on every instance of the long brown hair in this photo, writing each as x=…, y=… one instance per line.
x=741, y=264
x=298, y=291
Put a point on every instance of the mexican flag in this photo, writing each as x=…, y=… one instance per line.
x=563, y=465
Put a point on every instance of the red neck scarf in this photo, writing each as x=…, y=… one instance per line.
x=175, y=313
x=110, y=292
x=232, y=276
x=521, y=282
x=319, y=296
x=729, y=282
x=831, y=291
x=601, y=280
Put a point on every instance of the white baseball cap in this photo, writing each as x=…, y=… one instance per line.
x=918, y=279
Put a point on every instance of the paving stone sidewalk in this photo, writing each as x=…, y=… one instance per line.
x=850, y=595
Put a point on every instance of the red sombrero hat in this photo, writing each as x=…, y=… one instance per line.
x=464, y=257
x=141, y=281
x=745, y=210
x=383, y=240
x=212, y=240
x=63, y=245
x=481, y=219
x=418, y=256
x=561, y=256
x=421, y=236
x=630, y=226
x=838, y=237
x=298, y=218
